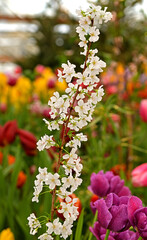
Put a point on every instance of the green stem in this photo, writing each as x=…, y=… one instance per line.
x=107, y=234
x=94, y=220
x=140, y=238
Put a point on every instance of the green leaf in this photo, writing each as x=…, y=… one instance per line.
x=78, y=234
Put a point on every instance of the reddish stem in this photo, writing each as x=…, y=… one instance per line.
x=64, y=136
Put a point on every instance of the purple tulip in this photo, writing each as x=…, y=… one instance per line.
x=127, y=235
x=99, y=232
x=105, y=183
x=113, y=213
x=138, y=216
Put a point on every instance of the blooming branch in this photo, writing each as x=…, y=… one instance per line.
x=73, y=111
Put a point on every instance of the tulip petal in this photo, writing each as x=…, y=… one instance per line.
x=134, y=203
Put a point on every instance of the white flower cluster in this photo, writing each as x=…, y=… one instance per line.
x=73, y=111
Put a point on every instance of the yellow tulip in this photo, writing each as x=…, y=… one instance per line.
x=6, y=234
x=61, y=86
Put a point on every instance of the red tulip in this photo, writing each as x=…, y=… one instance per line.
x=12, y=80
x=8, y=132
x=1, y=136
x=1, y=157
x=143, y=110
x=28, y=141
x=139, y=176
x=51, y=82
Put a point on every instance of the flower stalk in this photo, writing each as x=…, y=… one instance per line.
x=107, y=234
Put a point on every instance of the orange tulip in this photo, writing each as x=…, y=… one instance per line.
x=11, y=159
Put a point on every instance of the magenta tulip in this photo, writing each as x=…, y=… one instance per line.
x=139, y=176
x=137, y=215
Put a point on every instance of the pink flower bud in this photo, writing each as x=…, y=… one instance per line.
x=143, y=110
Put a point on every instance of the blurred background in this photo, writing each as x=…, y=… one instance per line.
x=35, y=31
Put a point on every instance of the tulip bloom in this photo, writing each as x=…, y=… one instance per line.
x=6, y=234
x=138, y=216
x=99, y=232
x=28, y=141
x=22, y=177
x=11, y=158
x=105, y=183
x=143, y=110
x=113, y=213
x=8, y=132
x=139, y=176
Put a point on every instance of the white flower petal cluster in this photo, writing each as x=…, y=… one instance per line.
x=34, y=224
x=45, y=236
x=45, y=142
x=54, y=226
x=71, y=111
x=44, y=178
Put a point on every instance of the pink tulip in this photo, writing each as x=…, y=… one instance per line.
x=143, y=110
x=111, y=89
x=18, y=70
x=139, y=176
x=39, y=68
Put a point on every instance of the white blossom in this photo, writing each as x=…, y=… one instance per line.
x=54, y=227
x=68, y=70
x=52, y=180
x=45, y=142
x=34, y=224
x=94, y=34
x=45, y=236
x=66, y=229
